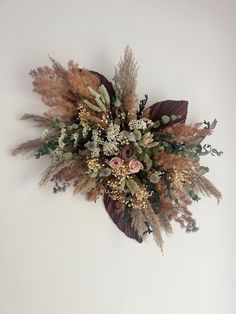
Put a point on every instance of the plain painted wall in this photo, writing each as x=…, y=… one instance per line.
x=60, y=254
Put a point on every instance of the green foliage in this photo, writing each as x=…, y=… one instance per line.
x=67, y=155
x=47, y=148
x=58, y=123
x=149, y=230
x=194, y=196
x=155, y=197
x=204, y=170
x=142, y=105
x=208, y=149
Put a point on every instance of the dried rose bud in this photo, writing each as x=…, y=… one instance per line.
x=135, y=166
x=115, y=162
x=127, y=152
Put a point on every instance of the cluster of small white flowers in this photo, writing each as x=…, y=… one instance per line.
x=96, y=136
x=44, y=134
x=86, y=128
x=110, y=148
x=116, y=139
x=149, y=122
x=141, y=124
x=113, y=132
x=75, y=137
x=126, y=137
x=61, y=138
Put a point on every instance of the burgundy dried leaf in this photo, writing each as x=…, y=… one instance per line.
x=123, y=224
x=169, y=107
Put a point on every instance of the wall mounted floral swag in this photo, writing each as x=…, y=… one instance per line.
x=144, y=161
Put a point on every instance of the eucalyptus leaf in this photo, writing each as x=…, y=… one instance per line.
x=165, y=119
x=204, y=170
x=68, y=155
x=157, y=124
x=93, y=174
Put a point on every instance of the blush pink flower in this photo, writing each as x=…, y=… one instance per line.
x=135, y=166
x=115, y=162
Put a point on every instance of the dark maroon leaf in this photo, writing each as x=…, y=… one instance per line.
x=169, y=107
x=123, y=224
x=106, y=83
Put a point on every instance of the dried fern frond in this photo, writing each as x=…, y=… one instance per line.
x=126, y=72
x=182, y=215
x=71, y=171
x=30, y=146
x=53, y=169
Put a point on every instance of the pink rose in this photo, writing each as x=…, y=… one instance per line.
x=135, y=166
x=115, y=162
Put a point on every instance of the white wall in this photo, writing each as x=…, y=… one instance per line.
x=60, y=254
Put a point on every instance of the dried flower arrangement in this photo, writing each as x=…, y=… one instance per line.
x=144, y=161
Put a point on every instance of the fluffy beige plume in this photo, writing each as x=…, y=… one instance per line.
x=125, y=81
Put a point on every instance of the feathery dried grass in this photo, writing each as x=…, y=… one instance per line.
x=166, y=204
x=126, y=74
x=146, y=214
x=30, y=146
x=138, y=221
x=130, y=106
x=165, y=223
x=53, y=88
x=201, y=184
x=192, y=135
x=41, y=122
x=53, y=169
x=79, y=80
x=172, y=162
x=84, y=184
x=62, y=89
x=93, y=194
x=154, y=223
